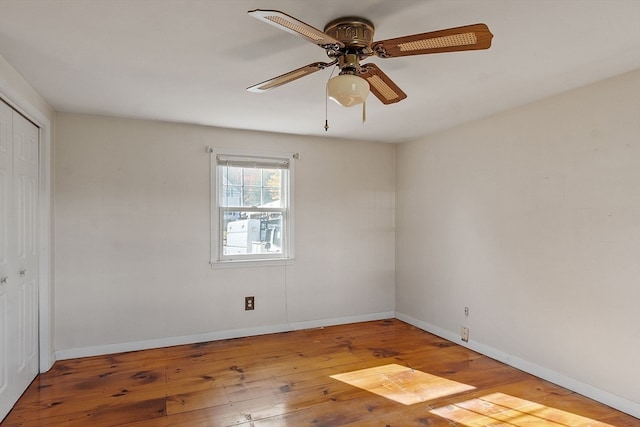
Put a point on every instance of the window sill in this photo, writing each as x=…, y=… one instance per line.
x=216, y=265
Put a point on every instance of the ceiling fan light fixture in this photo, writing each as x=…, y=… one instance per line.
x=348, y=90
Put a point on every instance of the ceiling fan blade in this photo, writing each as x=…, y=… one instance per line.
x=290, y=76
x=295, y=26
x=469, y=37
x=381, y=85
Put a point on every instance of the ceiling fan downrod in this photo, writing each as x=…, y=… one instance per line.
x=354, y=32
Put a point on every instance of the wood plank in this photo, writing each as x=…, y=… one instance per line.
x=290, y=379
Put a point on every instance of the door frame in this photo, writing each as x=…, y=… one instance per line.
x=18, y=102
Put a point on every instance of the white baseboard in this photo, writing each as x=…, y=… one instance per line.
x=602, y=396
x=73, y=353
x=47, y=361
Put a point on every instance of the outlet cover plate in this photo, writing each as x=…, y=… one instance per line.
x=464, y=333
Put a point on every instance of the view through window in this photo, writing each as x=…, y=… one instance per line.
x=253, y=207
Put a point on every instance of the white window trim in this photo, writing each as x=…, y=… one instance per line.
x=217, y=260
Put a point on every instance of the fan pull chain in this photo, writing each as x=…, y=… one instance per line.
x=326, y=118
x=326, y=101
x=326, y=104
x=326, y=107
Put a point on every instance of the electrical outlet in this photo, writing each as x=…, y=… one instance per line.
x=249, y=303
x=466, y=311
x=464, y=333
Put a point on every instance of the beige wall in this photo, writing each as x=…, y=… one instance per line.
x=531, y=218
x=132, y=248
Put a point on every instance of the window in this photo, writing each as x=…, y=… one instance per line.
x=251, y=207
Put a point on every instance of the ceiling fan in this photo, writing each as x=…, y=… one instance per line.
x=349, y=40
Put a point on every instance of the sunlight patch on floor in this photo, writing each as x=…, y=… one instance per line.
x=503, y=409
x=401, y=384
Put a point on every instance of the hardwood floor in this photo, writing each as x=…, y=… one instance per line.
x=304, y=378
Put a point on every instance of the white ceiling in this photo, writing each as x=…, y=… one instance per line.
x=191, y=60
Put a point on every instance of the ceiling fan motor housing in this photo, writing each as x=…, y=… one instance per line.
x=356, y=33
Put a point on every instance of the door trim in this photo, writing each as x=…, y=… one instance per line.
x=45, y=280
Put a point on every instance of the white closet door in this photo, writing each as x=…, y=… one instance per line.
x=18, y=256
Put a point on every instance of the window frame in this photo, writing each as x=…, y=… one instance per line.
x=218, y=259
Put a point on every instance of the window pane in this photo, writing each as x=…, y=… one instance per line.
x=231, y=196
x=252, y=177
x=252, y=233
x=271, y=189
x=271, y=177
x=231, y=175
x=252, y=196
x=271, y=197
